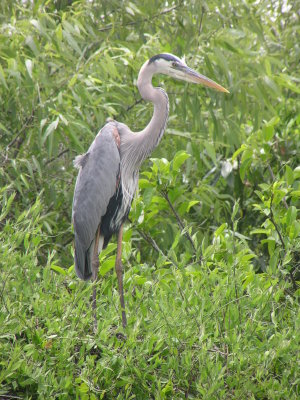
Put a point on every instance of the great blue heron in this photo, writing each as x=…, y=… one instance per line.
x=109, y=171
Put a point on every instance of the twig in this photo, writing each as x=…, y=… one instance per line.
x=151, y=241
x=201, y=19
x=276, y=228
x=134, y=104
x=180, y=223
x=56, y=157
x=155, y=246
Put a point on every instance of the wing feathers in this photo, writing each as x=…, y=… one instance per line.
x=95, y=185
x=80, y=160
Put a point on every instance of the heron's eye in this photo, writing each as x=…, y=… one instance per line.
x=174, y=64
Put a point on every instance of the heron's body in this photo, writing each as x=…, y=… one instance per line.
x=88, y=215
x=108, y=172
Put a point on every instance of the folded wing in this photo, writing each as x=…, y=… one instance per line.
x=96, y=184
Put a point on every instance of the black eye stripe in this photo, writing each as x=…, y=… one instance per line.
x=164, y=56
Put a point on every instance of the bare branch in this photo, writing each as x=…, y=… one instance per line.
x=151, y=241
x=134, y=104
x=56, y=157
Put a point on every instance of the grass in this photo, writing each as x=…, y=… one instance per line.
x=214, y=330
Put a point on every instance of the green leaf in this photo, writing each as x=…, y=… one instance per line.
x=220, y=229
x=106, y=266
x=72, y=42
x=144, y=183
x=139, y=280
x=249, y=279
x=289, y=174
x=297, y=172
x=191, y=204
x=295, y=193
x=58, y=269
x=238, y=151
x=8, y=204
x=287, y=81
x=245, y=167
x=147, y=195
x=268, y=132
x=83, y=388
x=291, y=215
x=260, y=232
x=176, y=240
x=50, y=129
x=235, y=210
x=179, y=159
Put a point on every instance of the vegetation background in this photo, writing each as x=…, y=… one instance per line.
x=211, y=252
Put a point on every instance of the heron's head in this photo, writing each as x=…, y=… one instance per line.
x=168, y=64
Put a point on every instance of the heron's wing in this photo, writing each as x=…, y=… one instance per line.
x=96, y=184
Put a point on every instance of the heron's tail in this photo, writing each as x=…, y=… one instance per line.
x=83, y=260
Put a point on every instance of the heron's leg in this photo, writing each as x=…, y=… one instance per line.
x=95, y=268
x=119, y=271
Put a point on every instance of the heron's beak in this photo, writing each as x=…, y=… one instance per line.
x=188, y=74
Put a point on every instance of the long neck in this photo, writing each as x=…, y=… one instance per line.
x=138, y=146
x=135, y=147
x=153, y=132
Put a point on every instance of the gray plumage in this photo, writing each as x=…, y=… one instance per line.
x=95, y=185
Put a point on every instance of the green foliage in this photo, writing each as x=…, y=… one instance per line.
x=214, y=329
x=211, y=252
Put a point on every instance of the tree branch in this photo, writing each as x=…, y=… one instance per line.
x=150, y=240
x=56, y=157
x=180, y=223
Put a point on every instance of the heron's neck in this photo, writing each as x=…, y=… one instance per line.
x=136, y=147
x=151, y=135
x=153, y=132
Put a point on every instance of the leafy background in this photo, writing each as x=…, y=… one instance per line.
x=211, y=252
